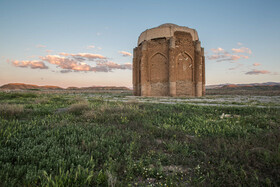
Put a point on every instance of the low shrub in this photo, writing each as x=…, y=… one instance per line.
x=9, y=110
x=17, y=95
x=42, y=100
x=78, y=108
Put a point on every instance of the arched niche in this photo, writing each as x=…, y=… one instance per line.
x=159, y=68
x=184, y=67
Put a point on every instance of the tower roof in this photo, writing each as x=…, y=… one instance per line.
x=168, y=25
x=166, y=30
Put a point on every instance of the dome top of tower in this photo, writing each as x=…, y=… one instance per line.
x=168, y=25
x=166, y=30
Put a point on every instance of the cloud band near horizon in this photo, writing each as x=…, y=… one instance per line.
x=125, y=54
x=221, y=54
x=74, y=63
x=33, y=64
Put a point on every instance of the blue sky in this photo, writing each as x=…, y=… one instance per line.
x=83, y=43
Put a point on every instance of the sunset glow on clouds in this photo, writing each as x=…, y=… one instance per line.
x=242, y=50
x=49, y=51
x=221, y=55
x=257, y=72
x=31, y=64
x=256, y=64
x=218, y=50
x=84, y=56
x=93, y=47
x=124, y=53
x=75, y=62
x=261, y=72
x=41, y=46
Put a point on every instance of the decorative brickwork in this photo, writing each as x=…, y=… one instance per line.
x=169, y=61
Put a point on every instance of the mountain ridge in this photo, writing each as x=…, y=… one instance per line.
x=230, y=85
x=23, y=86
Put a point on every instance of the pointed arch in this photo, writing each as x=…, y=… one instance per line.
x=159, y=54
x=185, y=67
x=159, y=71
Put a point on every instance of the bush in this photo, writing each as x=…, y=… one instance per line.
x=90, y=114
x=10, y=110
x=78, y=108
x=17, y=95
x=42, y=100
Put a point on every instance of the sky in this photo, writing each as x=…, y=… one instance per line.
x=90, y=42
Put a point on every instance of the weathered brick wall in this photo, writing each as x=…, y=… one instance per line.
x=184, y=64
x=158, y=67
x=169, y=66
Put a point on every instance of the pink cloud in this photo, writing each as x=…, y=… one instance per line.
x=82, y=67
x=218, y=50
x=257, y=72
x=75, y=62
x=242, y=50
x=244, y=56
x=90, y=47
x=226, y=57
x=90, y=56
x=124, y=53
x=213, y=57
x=113, y=65
x=234, y=57
x=34, y=64
x=49, y=51
x=84, y=56
x=256, y=64
x=41, y=46
x=66, y=62
x=221, y=55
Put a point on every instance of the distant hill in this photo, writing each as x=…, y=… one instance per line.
x=22, y=86
x=267, y=88
x=228, y=85
x=99, y=88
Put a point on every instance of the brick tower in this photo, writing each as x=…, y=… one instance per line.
x=169, y=61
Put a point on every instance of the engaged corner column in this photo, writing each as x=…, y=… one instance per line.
x=198, y=69
x=203, y=72
x=171, y=61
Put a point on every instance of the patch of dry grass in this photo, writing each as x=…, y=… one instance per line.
x=79, y=99
x=90, y=114
x=11, y=109
x=42, y=100
x=118, y=108
x=117, y=112
x=78, y=108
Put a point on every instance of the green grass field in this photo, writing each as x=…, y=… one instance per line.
x=83, y=140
